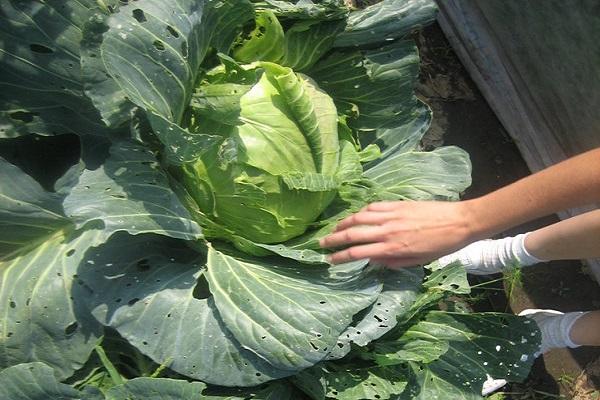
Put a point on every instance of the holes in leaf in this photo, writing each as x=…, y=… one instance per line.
x=133, y=301
x=454, y=286
x=40, y=49
x=145, y=343
x=184, y=49
x=314, y=346
x=322, y=302
x=12, y=304
x=143, y=265
x=23, y=116
x=71, y=328
x=159, y=45
x=258, y=374
x=340, y=345
x=139, y=15
x=70, y=253
x=172, y=31
x=202, y=290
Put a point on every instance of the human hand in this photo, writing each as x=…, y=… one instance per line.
x=401, y=233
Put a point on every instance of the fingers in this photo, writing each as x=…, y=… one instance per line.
x=384, y=206
x=396, y=262
x=359, y=252
x=355, y=235
x=363, y=218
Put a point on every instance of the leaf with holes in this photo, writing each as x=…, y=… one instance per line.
x=129, y=192
x=150, y=289
x=41, y=84
x=41, y=321
x=36, y=381
x=286, y=314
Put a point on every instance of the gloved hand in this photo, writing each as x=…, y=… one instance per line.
x=487, y=257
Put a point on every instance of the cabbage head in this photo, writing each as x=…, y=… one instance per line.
x=274, y=171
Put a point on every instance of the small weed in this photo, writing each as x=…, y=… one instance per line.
x=513, y=280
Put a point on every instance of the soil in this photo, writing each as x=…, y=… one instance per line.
x=463, y=118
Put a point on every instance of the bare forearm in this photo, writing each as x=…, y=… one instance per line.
x=572, y=183
x=572, y=239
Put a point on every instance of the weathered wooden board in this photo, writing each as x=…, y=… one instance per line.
x=538, y=65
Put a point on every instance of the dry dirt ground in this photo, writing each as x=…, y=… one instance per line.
x=462, y=117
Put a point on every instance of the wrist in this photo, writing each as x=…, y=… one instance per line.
x=474, y=228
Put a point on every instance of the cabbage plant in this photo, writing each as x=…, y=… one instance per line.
x=219, y=141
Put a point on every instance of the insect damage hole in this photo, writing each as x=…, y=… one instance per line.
x=201, y=290
x=139, y=15
x=23, y=116
x=40, y=49
x=71, y=328
x=159, y=45
x=172, y=31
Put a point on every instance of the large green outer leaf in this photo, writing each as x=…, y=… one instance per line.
x=409, y=349
x=404, y=137
x=307, y=41
x=40, y=320
x=400, y=289
x=106, y=94
x=41, y=89
x=156, y=69
x=143, y=287
x=183, y=31
x=500, y=345
x=130, y=192
x=34, y=381
x=441, y=174
x=376, y=84
x=367, y=384
x=157, y=389
x=289, y=314
x=386, y=20
x=28, y=213
x=348, y=383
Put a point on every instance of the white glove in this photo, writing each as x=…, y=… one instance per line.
x=555, y=327
x=492, y=256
